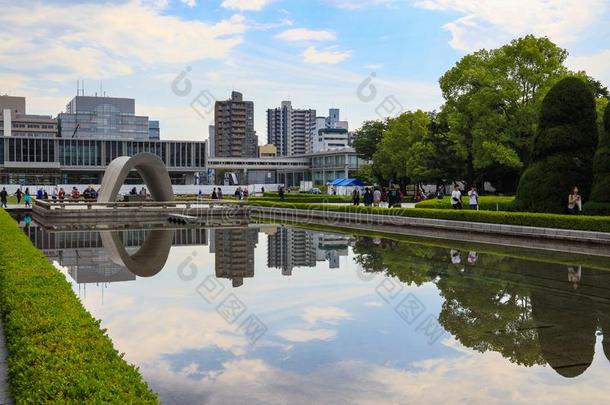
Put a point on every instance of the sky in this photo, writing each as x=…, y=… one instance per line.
x=370, y=58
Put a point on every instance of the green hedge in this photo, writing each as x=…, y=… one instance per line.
x=576, y=222
x=486, y=203
x=305, y=197
x=56, y=349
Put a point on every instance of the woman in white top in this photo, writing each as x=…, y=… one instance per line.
x=456, y=198
x=473, y=198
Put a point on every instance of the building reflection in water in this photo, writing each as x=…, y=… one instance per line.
x=234, y=253
x=288, y=248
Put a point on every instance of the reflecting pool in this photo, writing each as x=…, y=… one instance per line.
x=274, y=314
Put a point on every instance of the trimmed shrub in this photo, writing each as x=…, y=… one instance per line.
x=576, y=222
x=600, y=195
x=57, y=351
x=562, y=151
x=486, y=203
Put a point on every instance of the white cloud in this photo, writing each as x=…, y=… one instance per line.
x=328, y=56
x=246, y=5
x=307, y=335
x=304, y=34
x=190, y=3
x=491, y=23
x=325, y=314
x=60, y=42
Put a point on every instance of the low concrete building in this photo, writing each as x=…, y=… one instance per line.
x=267, y=151
x=14, y=121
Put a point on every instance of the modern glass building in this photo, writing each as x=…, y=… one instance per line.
x=105, y=118
x=25, y=160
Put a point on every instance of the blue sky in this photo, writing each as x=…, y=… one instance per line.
x=314, y=52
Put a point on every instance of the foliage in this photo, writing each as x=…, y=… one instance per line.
x=416, y=147
x=576, y=222
x=368, y=138
x=56, y=349
x=600, y=194
x=486, y=203
x=562, y=150
x=492, y=99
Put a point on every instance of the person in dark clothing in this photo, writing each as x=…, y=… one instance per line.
x=19, y=194
x=368, y=197
x=281, y=193
x=356, y=197
x=214, y=195
x=3, y=197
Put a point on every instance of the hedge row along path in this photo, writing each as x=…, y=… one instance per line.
x=57, y=351
x=539, y=220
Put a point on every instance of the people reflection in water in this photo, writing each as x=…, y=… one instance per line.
x=455, y=256
x=472, y=258
x=574, y=276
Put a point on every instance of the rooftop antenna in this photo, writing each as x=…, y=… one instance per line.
x=77, y=87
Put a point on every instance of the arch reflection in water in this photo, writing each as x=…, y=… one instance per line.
x=148, y=260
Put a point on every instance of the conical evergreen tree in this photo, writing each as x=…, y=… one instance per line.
x=563, y=149
x=600, y=195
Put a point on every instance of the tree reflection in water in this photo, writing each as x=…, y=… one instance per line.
x=531, y=312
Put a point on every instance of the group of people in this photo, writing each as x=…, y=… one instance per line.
x=377, y=197
x=142, y=193
x=456, y=198
x=217, y=194
x=241, y=194
x=25, y=195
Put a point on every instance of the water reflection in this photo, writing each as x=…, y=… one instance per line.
x=507, y=315
x=531, y=312
x=148, y=260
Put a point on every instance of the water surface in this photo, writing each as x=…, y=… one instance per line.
x=272, y=314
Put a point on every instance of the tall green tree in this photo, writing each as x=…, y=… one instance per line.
x=368, y=138
x=600, y=194
x=492, y=101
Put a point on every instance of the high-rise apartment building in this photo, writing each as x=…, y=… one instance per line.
x=96, y=117
x=290, y=130
x=234, y=134
x=15, y=122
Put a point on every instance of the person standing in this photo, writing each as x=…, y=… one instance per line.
x=3, y=197
x=456, y=198
x=473, y=198
x=281, y=193
x=376, y=197
x=574, y=202
x=214, y=194
x=356, y=196
x=219, y=193
x=54, y=194
x=19, y=194
x=27, y=198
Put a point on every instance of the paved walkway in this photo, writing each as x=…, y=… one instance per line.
x=5, y=397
